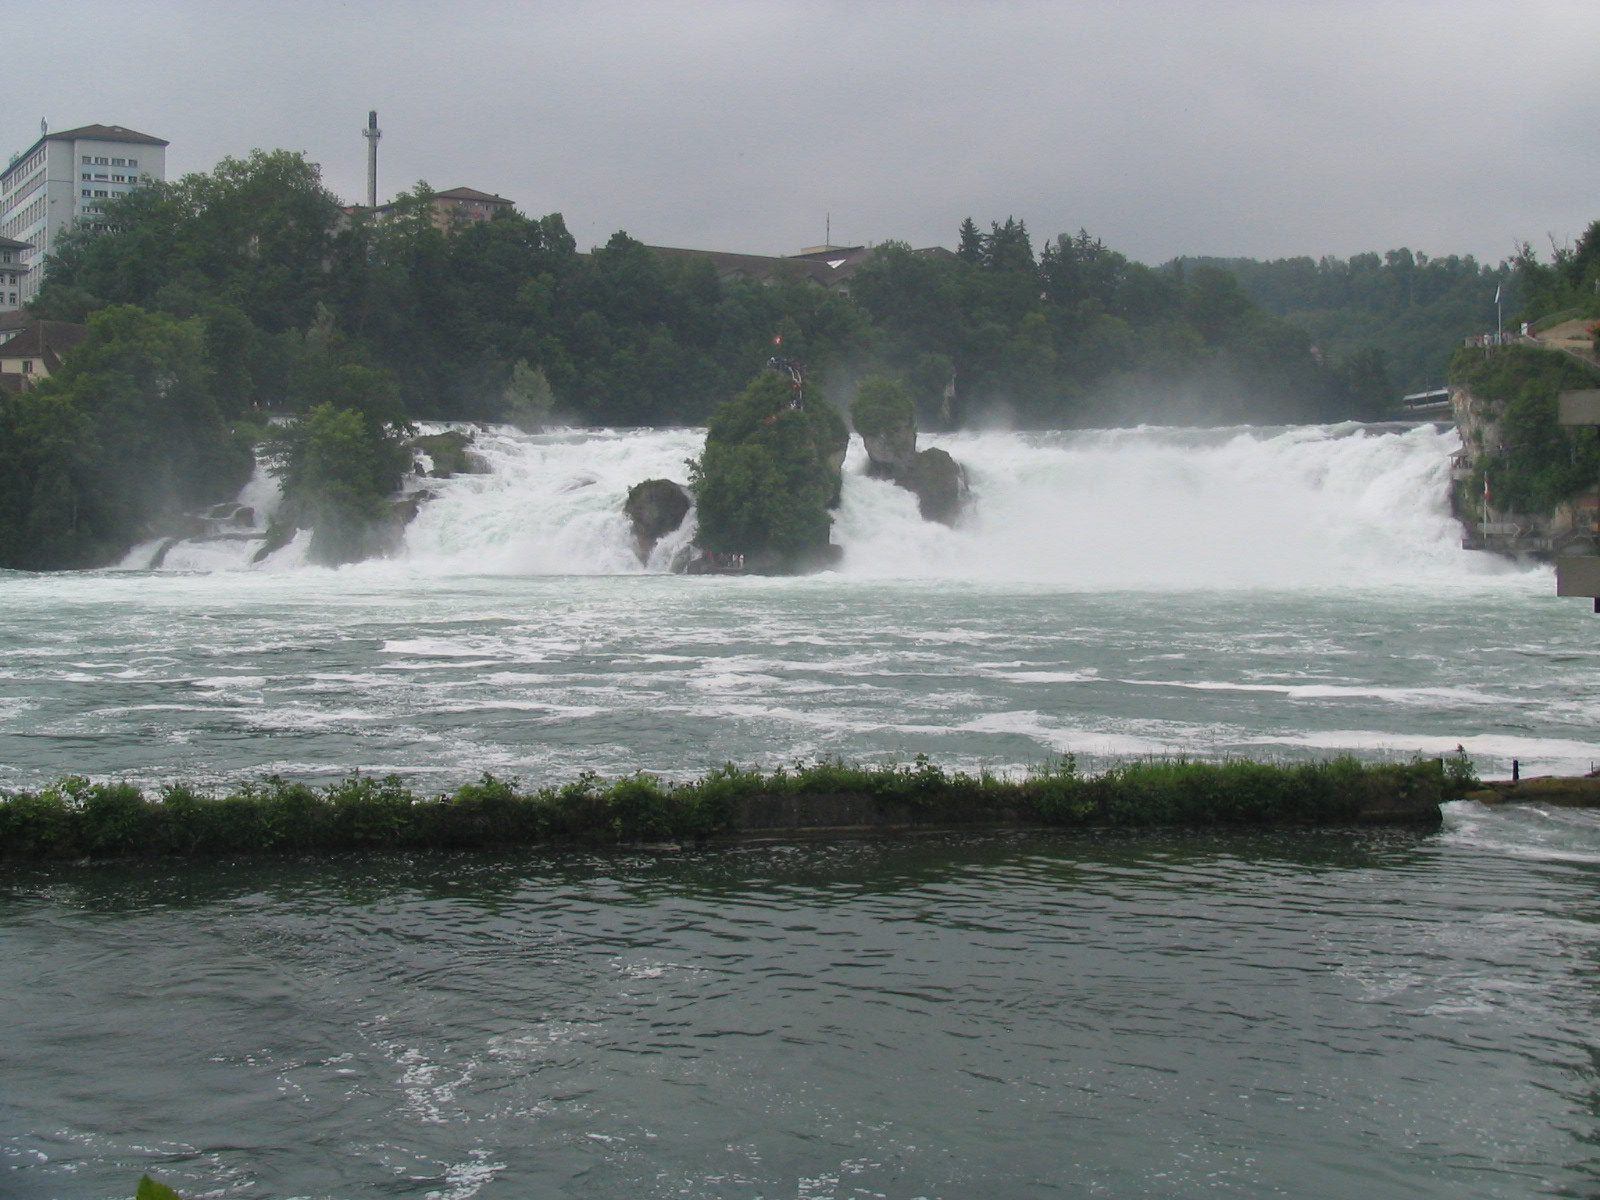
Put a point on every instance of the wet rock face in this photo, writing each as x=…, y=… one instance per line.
x=655, y=508
x=939, y=484
x=890, y=453
x=449, y=454
x=887, y=422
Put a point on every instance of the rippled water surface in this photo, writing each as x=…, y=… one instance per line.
x=1313, y=1015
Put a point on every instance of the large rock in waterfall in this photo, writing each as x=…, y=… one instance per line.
x=770, y=472
x=449, y=454
x=654, y=509
x=939, y=484
x=886, y=419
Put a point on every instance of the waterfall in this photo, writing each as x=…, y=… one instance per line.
x=1283, y=507
x=1295, y=507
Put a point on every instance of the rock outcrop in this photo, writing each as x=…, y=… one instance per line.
x=770, y=473
x=891, y=452
x=449, y=454
x=654, y=509
x=1570, y=527
x=939, y=484
x=886, y=420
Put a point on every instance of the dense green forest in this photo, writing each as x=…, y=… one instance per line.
x=1568, y=285
x=1406, y=311
x=266, y=259
x=223, y=297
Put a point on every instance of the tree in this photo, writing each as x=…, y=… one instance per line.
x=882, y=407
x=970, y=245
x=1007, y=248
x=256, y=233
x=767, y=477
x=527, y=397
x=124, y=436
x=339, y=470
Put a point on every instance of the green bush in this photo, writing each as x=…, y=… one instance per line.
x=881, y=407
x=77, y=818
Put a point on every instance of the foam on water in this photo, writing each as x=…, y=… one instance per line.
x=1323, y=506
x=1528, y=831
x=1309, y=506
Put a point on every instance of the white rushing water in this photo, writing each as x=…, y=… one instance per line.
x=1314, y=506
x=1290, y=593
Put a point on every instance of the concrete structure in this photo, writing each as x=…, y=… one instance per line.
x=452, y=210
x=66, y=177
x=12, y=269
x=463, y=204
x=372, y=133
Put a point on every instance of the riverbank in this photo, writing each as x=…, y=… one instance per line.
x=76, y=818
x=1559, y=791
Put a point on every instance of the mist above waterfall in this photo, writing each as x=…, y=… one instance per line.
x=1302, y=506
x=1289, y=507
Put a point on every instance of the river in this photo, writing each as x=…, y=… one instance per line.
x=1321, y=1015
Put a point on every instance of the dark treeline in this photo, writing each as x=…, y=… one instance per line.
x=264, y=256
x=1569, y=284
x=1405, y=312
x=1080, y=335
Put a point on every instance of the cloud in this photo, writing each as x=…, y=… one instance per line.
x=1263, y=129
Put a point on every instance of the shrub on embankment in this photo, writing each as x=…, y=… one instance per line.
x=76, y=818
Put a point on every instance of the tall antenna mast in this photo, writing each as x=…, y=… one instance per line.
x=372, y=133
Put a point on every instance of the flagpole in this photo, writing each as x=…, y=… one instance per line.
x=1499, y=324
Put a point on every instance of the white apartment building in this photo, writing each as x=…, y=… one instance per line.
x=66, y=177
x=11, y=272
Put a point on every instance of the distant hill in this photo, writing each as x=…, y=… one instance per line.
x=1416, y=310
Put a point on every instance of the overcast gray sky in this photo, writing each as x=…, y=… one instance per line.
x=1228, y=128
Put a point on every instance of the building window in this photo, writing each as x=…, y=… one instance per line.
x=101, y=162
x=117, y=162
x=87, y=192
x=101, y=195
x=133, y=162
x=87, y=161
x=27, y=366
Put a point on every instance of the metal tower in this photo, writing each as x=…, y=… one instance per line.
x=372, y=133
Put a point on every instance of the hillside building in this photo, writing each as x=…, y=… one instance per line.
x=450, y=211
x=12, y=269
x=34, y=350
x=66, y=177
x=464, y=204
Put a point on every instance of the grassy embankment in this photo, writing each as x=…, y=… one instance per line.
x=76, y=818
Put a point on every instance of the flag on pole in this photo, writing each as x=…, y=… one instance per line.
x=1497, y=293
